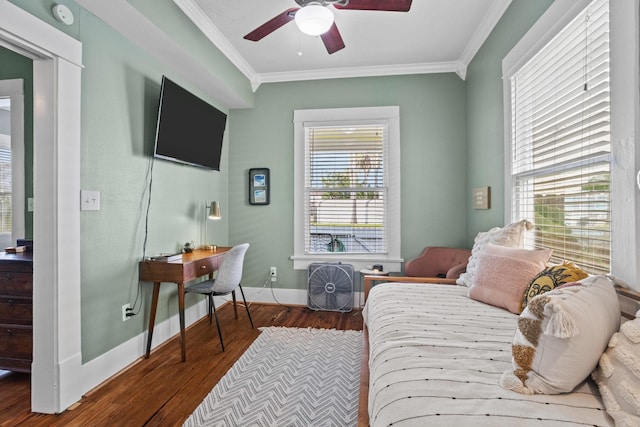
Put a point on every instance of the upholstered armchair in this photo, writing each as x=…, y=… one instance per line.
x=436, y=261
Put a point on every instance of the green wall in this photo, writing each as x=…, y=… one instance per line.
x=485, y=114
x=432, y=108
x=120, y=90
x=14, y=66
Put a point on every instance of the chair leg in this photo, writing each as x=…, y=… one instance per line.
x=210, y=304
x=218, y=325
x=246, y=306
x=235, y=307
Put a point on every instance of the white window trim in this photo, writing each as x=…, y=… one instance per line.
x=392, y=260
x=13, y=88
x=625, y=120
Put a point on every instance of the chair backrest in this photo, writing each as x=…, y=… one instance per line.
x=436, y=261
x=229, y=273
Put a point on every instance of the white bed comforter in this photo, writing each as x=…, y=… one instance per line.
x=435, y=359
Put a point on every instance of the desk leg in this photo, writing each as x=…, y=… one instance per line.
x=181, y=313
x=152, y=315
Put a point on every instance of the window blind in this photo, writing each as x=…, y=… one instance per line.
x=561, y=145
x=345, y=189
x=5, y=189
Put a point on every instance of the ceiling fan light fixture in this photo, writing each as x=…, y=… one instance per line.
x=314, y=19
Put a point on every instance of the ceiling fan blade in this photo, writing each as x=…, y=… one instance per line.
x=332, y=39
x=386, y=5
x=271, y=25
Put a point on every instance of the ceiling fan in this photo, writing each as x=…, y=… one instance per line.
x=314, y=17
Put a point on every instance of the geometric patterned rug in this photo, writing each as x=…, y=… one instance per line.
x=288, y=377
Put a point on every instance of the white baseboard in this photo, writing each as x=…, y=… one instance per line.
x=108, y=364
x=100, y=369
x=288, y=296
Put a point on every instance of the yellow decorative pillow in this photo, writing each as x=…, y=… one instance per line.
x=552, y=277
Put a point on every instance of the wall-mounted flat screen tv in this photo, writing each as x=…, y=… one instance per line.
x=189, y=130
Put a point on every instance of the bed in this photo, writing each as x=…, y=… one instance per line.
x=435, y=357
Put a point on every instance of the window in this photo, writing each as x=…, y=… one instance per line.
x=347, y=203
x=560, y=142
x=5, y=184
x=345, y=189
x=12, y=162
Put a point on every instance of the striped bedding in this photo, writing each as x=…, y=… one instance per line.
x=436, y=357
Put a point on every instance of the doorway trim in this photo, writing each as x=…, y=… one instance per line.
x=56, y=380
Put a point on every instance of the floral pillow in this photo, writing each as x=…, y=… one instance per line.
x=511, y=236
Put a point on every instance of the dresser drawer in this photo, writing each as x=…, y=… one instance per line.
x=16, y=284
x=16, y=341
x=16, y=310
x=17, y=365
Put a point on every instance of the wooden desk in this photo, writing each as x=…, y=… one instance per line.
x=196, y=264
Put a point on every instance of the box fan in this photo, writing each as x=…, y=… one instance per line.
x=330, y=286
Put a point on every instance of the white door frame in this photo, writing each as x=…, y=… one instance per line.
x=56, y=380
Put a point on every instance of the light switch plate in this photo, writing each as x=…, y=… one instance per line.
x=89, y=200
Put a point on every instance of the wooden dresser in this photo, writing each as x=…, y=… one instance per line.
x=16, y=311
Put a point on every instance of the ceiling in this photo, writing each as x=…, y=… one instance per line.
x=434, y=36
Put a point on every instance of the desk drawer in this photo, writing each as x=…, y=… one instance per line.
x=200, y=267
x=16, y=341
x=18, y=284
x=205, y=266
x=16, y=310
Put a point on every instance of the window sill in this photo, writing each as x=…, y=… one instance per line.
x=394, y=265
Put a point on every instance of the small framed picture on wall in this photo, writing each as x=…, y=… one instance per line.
x=259, y=186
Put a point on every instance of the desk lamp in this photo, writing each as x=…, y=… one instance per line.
x=214, y=213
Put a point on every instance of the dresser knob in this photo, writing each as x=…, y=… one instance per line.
x=203, y=267
x=8, y=276
x=8, y=332
x=10, y=302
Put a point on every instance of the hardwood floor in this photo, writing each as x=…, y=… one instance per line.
x=161, y=390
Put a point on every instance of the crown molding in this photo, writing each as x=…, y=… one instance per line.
x=195, y=13
x=480, y=35
x=376, y=71
x=132, y=24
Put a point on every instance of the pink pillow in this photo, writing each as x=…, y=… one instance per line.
x=505, y=273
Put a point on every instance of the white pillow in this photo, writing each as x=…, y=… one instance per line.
x=618, y=375
x=511, y=236
x=561, y=335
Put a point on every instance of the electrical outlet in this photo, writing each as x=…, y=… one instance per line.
x=274, y=274
x=125, y=308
